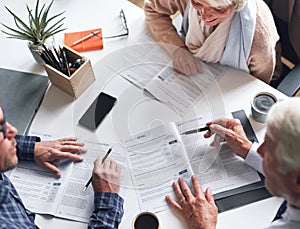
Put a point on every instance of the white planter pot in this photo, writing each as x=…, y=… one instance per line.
x=35, y=53
x=35, y=49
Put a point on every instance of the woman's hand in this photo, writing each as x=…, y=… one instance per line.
x=185, y=63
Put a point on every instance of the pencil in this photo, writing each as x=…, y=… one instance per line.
x=90, y=180
x=206, y=128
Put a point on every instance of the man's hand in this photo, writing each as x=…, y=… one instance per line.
x=232, y=132
x=185, y=63
x=48, y=152
x=106, y=176
x=199, y=210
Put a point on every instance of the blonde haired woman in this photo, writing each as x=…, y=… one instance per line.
x=237, y=33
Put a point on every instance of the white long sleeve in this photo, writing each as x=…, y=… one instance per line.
x=254, y=159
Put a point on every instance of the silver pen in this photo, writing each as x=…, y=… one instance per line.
x=86, y=37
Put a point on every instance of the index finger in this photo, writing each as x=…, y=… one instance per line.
x=98, y=161
x=219, y=121
x=71, y=139
x=106, y=163
x=218, y=129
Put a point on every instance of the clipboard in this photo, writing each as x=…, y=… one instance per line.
x=20, y=95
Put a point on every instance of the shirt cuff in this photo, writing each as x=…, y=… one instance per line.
x=106, y=200
x=108, y=211
x=25, y=146
x=254, y=159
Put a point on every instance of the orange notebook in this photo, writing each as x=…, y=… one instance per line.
x=92, y=43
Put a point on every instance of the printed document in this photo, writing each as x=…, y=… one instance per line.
x=149, y=66
x=150, y=161
x=42, y=192
x=161, y=155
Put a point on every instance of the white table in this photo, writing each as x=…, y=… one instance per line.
x=80, y=15
x=60, y=112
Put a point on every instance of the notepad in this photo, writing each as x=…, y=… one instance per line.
x=92, y=43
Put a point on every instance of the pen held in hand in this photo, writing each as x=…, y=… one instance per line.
x=206, y=128
x=103, y=160
x=86, y=37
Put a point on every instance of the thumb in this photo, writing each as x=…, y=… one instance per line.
x=53, y=169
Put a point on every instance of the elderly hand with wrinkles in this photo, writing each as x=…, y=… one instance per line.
x=47, y=152
x=199, y=209
x=230, y=130
x=185, y=63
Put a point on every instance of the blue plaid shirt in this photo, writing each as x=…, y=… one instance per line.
x=108, y=211
x=13, y=214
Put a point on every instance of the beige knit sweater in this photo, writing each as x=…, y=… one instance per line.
x=262, y=59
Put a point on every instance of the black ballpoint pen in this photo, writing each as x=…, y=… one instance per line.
x=90, y=180
x=206, y=128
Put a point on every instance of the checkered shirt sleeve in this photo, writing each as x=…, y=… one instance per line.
x=25, y=146
x=108, y=211
x=13, y=214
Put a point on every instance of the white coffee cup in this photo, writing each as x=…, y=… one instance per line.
x=261, y=104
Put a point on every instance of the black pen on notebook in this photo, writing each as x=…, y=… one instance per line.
x=103, y=159
x=86, y=37
x=206, y=128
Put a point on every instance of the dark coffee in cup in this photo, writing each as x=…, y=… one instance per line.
x=146, y=220
x=263, y=102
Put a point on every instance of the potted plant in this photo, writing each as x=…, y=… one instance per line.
x=39, y=30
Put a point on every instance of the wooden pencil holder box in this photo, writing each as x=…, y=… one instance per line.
x=79, y=81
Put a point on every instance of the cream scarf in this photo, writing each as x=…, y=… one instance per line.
x=230, y=43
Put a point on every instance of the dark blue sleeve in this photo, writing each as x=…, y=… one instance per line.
x=108, y=211
x=25, y=146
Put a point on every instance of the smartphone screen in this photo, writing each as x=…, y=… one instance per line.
x=97, y=111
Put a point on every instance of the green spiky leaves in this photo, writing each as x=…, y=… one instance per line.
x=40, y=25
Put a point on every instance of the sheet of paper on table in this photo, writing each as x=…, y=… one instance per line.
x=147, y=65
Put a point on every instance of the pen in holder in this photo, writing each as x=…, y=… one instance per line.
x=69, y=71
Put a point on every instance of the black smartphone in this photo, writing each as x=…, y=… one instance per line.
x=97, y=111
